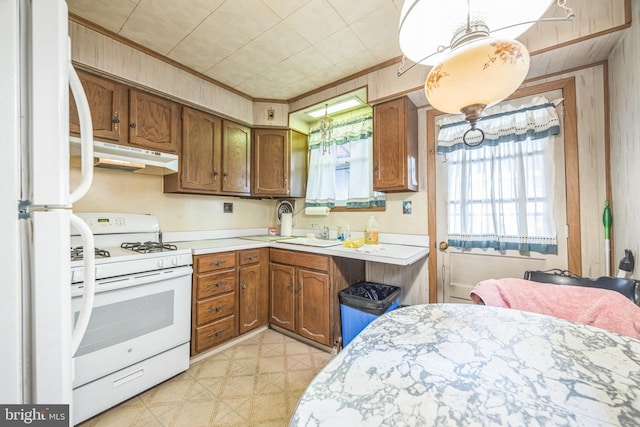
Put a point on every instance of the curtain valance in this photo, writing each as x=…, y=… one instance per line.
x=344, y=132
x=501, y=123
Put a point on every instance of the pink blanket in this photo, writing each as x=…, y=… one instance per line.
x=602, y=308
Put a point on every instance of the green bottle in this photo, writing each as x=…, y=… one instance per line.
x=607, y=220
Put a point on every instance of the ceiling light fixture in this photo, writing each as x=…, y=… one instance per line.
x=326, y=130
x=472, y=69
x=335, y=108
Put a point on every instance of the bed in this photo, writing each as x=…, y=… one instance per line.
x=457, y=365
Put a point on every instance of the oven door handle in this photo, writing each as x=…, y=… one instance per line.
x=88, y=292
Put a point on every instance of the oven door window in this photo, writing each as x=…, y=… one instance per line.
x=126, y=320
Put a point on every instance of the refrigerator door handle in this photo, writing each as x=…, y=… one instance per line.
x=86, y=136
x=89, y=283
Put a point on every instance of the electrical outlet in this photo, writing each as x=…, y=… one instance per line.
x=228, y=207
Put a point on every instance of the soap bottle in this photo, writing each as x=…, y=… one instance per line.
x=371, y=231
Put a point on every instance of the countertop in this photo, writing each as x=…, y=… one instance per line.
x=384, y=253
x=459, y=365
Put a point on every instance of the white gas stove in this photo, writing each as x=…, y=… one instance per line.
x=139, y=329
x=125, y=244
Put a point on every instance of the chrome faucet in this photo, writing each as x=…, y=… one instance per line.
x=323, y=233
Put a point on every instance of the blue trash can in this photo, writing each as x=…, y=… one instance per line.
x=362, y=303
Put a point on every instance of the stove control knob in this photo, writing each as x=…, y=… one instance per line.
x=161, y=263
x=174, y=261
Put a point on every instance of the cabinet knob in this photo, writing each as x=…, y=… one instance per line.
x=116, y=117
x=290, y=287
x=244, y=285
x=133, y=125
x=251, y=257
x=218, y=308
x=216, y=333
x=375, y=168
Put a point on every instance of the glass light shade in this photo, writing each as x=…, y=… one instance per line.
x=481, y=72
x=427, y=24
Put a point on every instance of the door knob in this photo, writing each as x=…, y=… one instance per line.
x=443, y=246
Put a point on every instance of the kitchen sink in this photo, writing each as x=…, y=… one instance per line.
x=312, y=242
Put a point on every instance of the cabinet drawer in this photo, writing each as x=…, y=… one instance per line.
x=214, y=262
x=300, y=259
x=215, y=284
x=215, y=308
x=251, y=256
x=215, y=333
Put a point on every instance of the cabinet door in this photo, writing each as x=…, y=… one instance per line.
x=153, y=122
x=236, y=158
x=313, y=291
x=282, y=299
x=108, y=106
x=200, y=161
x=271, y=162
x=254, y=296
x=395, y=146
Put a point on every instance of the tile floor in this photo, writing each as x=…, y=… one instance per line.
x=257, y=382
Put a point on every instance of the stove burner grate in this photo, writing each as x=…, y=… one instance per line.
x=77, y=253
x=148, y=247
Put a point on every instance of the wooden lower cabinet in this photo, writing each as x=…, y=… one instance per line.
x=304, y=293
x=230, y=296
x=253, y=276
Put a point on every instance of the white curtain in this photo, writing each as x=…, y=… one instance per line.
x=501, y=193
x=321, y=184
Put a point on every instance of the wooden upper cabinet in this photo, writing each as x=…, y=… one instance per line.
x=236, y=158
x=108, y=105
x=200, y=154
x=154, y=122
x=279, y=163
x=395, y=146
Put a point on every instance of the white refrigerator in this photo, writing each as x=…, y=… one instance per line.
x=38, y=337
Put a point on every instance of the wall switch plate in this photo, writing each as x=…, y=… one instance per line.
x=228, y=207
x=271, y=114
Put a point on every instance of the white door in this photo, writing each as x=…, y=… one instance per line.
x=458, y=271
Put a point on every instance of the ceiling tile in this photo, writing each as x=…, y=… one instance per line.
x=243, y=20
x=230, y=71
x=353, y=10
x=200, y=51
x=316, y=20
x=377, y=26
x=284, y=8
x=340, y=46
x=282, y=41
x=161, y=24
x=109, y=14
x=309, y=61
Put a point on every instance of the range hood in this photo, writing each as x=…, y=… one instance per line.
x=137, y=160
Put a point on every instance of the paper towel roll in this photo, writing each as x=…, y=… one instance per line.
x=285, y=224
x=323, y=210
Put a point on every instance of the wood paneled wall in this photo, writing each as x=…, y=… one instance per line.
x=624, y=90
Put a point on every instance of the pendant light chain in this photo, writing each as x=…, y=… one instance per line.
x=568, y=11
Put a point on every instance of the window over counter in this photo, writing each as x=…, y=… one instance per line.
x=341, y=162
